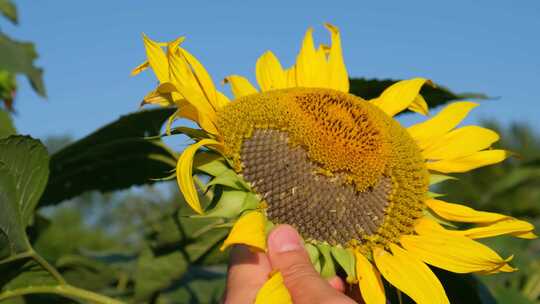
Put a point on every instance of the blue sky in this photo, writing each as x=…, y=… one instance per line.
x=88, y=48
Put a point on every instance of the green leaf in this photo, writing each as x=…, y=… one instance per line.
x=23, y=175
x=231, y=204
x=86, y=273
x=18, y=58
x=435, y=96
x=155, y=273
x=114, y=157
x=27, y=161
x=13, y=237
x=6, y=125
x=210, y=163
x=230, y=179
x=8, y=9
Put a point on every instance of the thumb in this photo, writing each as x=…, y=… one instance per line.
x=288, y=255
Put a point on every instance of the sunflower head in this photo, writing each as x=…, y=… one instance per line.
x=331, y=164
x=352, y=180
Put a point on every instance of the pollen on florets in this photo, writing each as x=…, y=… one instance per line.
x=329, y=163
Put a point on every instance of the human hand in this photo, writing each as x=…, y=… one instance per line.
x=249, y=270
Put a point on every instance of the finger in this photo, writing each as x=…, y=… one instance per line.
x=248, y=271
x=288, y=255
x=336, y=283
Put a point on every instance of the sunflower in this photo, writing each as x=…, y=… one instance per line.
x=349, y=177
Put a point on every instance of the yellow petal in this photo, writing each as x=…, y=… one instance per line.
x=249, y=230
x=461, y=213
x=156, y=59
x=156, y=97
x=184, y=173
x=269, y=72
x=419, y=105
x=141, y=67
x=461, y=142
x=447, y=119
x=338, y=76
x=188, y=86
x=274, y=291
x=290, y=74
x=203, y=79
x=399, y=96
x=469, y=162
x=369, y=280
x=240, y=86
x=452, y=252
x=306, y=62
x=410, y=275
x=511, y=226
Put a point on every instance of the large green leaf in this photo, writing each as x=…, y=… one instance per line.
x=27, y=161
x=6, y=124
x=18, y=58
x=23, y=176
x=435, y=96
x=115, y=157
x=8, y=9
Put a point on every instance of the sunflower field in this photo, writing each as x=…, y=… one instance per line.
x=120, y=216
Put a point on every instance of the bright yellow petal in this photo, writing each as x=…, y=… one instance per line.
x=274, y=291
x=290, y=74
x=306, y=62
x=240, y=86
x=269, y=72
x=369, y=280
x=338, y=76
x=511, y=226
x=184, y=173
x=461, y=213
x=469, y=162
x=447, y=119
x=399, y=96
x=419, y=105
x=203, y=79
x=461, y=142
x=188, y=87
x=158, y=98
x=156, y=59
x=410, y=275
x=449, y=251
x=249, y=230
x=141, y=67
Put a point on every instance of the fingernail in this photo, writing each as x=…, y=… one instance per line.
x=283, y=239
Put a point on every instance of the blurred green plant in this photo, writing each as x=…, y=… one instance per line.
x=16, y=58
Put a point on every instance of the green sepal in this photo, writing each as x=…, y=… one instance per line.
x=314, y=256
x=230, y=179
x=268, y=227
x=328, y=268
x=347, y=261
x=210, y=163
x=231, y=204
x=434, y=195
x=439, y=178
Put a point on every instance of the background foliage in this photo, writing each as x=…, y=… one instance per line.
x=97, y=219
